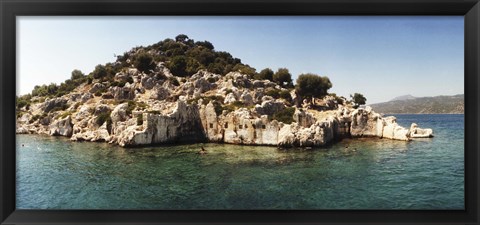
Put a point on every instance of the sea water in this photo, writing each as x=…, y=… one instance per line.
x=369, y=173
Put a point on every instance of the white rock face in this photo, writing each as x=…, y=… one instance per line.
x=416, y=132
x=392, y=130
x=183, y=124
x=230, y=98
x=211, y=126
x=364, y=123
x=61, y=127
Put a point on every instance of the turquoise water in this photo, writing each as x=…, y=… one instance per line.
x=54, y=173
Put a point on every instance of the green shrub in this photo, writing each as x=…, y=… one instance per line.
x=265, y=74
x=144, y=62
x=118, y=83
x=178, y=66
x=141, y=105
x=283, y=77
x=285, y=115
x=275, y=93
x=174, y=81
x=60, y=108
x=131, y=105
x=64, y=115
x=211, y=80
x=218, y=108
x=156, y=112
x=38, y=117
x=102, y=118
x=99, y=72
x=285, y=95
x=20, y=114
x=140, y=119
x=23, y=101
x=228, y=108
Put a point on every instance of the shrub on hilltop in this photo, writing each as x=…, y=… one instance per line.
x=283, y=78
x=311, y=86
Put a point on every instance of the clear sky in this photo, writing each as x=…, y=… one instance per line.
x=381, y=57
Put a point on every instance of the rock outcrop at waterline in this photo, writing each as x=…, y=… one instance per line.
x=159, y=108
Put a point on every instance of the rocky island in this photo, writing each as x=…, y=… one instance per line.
x=179, y=90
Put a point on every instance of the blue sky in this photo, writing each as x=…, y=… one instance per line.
x=381, y=57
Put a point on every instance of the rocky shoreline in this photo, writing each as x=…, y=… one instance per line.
x=158, y=108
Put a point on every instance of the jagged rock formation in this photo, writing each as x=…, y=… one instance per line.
x=151, y=110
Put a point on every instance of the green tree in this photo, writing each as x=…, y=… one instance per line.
x=144, y=62
x=178, y=66
x=99, y=72
x=205, y=44
x=244, y=69
x=265, y=74
x=311, y=86
x=77, y=74
x=181, y=38
x=283, y=77
x=358, y=99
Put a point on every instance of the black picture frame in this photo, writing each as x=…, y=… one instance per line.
x=9, y=9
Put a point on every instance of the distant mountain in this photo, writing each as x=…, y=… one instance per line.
x=408, y=104
x=403, y=97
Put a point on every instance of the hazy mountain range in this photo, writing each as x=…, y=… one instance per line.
x=408, y=104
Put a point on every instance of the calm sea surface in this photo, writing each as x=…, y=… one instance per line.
x=55, y=173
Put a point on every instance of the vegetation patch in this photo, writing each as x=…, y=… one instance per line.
x=102, y=118
x=64, y=115
x=140, y=119
x=285, y=115
x=174, y=81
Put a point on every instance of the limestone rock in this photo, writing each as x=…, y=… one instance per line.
x=61, y=127
x=230, y=98
x=392, y=130
x=119, y=113
x=269, y=107
x=122, y=93
x=246, y=98
x=55, y=103
x=148, y=82
x=97, y=87
x=159, y=93
x=416, y=132
x=365, y=124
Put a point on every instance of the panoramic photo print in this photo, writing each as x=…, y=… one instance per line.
x=224, y=112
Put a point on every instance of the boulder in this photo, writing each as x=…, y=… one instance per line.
x=97, y=87
x=202, y=85
x=230, y=98
x=246, y=98
x=148, y=82
x=122, y=93
x=121, y=76
x=55, y=103
x=100, y=109
x=159, y=93
x=416, y=132
x=269, y=107
x=392, y=130
x=119, y=113
x=61, y=127
x=86, y=97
